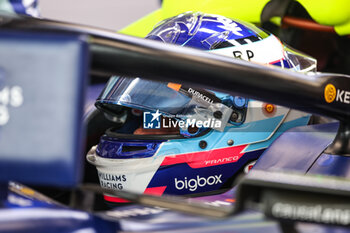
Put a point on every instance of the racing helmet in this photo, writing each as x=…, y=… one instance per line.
x=219, y=135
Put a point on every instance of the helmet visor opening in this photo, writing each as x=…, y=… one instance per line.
x=189, y=105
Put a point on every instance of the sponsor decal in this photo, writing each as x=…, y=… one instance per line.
x=111, y=181
x=200, y=95
x=10, y=96
x=193, y=184
x=255, y=51
x=312, y=213
x=269, y=110
x=343, y=96
x=220, y=161
x=201, y=159
x=217, y=203
x=16, y=200
x=27, y=191
x=331, y=94
x=134, y=212
x=244, y=55
x=229, y=25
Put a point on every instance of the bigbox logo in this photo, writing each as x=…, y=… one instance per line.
x=193, y=184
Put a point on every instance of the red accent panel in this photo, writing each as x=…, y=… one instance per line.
x=279, y=60
x=207, y=158
x=115, y=199
x=156, y=191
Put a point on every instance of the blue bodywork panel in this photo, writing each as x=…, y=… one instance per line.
x=301, y=149
x=41, y=107
x=28, y=211
x=334, y=165
x=298, y=148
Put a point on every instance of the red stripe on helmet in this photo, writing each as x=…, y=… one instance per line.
x=207, y=158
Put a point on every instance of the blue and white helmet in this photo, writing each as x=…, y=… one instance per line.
x=220, y=135
x=21, y=7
